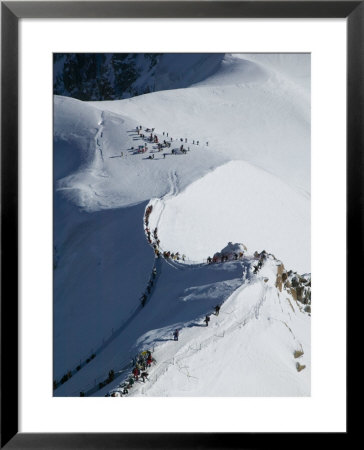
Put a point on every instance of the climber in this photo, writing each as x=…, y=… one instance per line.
x=136, y=373
x=217, y=310
x=143, y=299
x=209, y=260
x=176, y=334
x=207, y=320
x=144, y=376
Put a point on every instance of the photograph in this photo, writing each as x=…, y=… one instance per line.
x=181, y=225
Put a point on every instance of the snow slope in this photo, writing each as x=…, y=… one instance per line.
x=245, y=111
x=247, y=350
x=257, y=206
x=110, y=76
x=255, y=118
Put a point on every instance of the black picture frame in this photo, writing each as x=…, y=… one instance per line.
x=11, y=12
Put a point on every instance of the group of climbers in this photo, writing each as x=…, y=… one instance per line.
x=144, y=297
x=207, y=317
x=141, y=363
x=147, y=214
x=144, y=361
x=261, y=259
x=174, y=256
x=153, y=138
x=225, y=257
x=153, y=239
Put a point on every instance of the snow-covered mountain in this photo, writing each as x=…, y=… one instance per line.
x=243, y=176
x=112, y=76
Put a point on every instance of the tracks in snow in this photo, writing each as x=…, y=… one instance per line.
x=99, y=137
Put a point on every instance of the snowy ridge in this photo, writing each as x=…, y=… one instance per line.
x=242, y=178
x=255, y=310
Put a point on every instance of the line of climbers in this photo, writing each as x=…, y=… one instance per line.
x=226, y=257
x=207, y=318
x=262, y=257
x=150, y=285
x=145, y=360
x=153, y=239
x=141, y=363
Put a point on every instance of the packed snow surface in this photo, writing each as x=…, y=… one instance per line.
x=246, y=180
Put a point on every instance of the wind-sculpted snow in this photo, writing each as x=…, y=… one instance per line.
x=242, y=202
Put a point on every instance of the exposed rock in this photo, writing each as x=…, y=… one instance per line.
x=300, y=367
x=298, y=353
x=280, y=272
x=297, y=285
